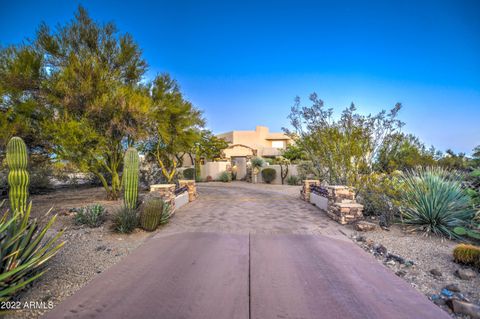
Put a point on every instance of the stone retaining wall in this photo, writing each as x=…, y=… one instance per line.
x=340, y=205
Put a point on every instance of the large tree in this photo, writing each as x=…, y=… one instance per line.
x=404, y=152
x=174, y=125
x=83, y=79
x=340, y=149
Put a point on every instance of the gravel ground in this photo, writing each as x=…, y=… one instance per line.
x=86, y=253
x=427, y=253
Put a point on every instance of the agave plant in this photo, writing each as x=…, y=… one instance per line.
x=433, y=201
x=24, y=249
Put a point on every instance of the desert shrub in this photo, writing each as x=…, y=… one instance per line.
x=225, y=177
x=257, y=162
x=125, y=220
x=92, y=216
x=41, y=174
x=293, y=180
x=306, y=170
x=154, y=212
x=24, y=249
x=378, y=193
x=467, y=254
x=189, y=173
x=433, y=201
x=269, y=175
x=269, y=161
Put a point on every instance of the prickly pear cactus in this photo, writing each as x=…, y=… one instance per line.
x=18, y=177
x=130, y=178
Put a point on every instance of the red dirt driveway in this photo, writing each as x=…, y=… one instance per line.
x=217, y=276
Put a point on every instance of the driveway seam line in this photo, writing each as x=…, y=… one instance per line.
x=249, y=278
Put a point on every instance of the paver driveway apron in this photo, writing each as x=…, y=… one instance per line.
x=249, y=274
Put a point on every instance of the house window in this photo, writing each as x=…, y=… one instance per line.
x=277, y=144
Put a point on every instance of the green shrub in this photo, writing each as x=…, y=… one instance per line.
x=293, y=180
x=467, y=254
x=225, y=177
x=378, y=193
x=189, y=173
x=306, y=170
x=269, y=175
x=269, y=161
x=433, y=201
x=24, y=250
x=92, y=216
x=125, y=220
x=154, y=212
x=257, y=162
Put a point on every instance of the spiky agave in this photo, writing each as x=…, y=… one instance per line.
x=23, y=250
x=432, y=200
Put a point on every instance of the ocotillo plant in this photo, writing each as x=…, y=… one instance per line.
x=18, y=178
x=130, y=178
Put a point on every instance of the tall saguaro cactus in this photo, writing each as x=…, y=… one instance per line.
x=130, y=177
x=18, y=178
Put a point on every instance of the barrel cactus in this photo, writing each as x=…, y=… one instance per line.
x=18, y=177
x=130, y=178
x=152, y=214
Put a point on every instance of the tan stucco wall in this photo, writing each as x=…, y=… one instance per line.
x=213, y=169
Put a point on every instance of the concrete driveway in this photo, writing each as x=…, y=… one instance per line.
x=246, y=251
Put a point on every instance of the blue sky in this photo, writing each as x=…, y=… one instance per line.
x=243, y=62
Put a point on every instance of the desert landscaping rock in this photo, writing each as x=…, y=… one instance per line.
x=435, y=272
x=365, y=226
x=453, y=287
x=464, y=308
x=465, y=274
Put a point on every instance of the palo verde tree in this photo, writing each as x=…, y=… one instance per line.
x=340, y=149
x=92, y=89
x=174, y=125
x=208, y=147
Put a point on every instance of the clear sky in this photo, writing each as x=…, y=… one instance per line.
x=243, y=62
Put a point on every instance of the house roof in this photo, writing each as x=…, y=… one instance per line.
x=277, y=136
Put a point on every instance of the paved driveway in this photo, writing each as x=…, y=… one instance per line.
x=244, y=208
x=245, y=251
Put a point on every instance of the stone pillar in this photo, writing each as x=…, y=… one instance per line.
x=342, y=206
x=341, y=194
x=191, y=188
x=305, y=191
x=165, y=192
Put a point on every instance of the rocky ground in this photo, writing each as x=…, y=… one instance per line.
x=426, y=263
x=86, y=253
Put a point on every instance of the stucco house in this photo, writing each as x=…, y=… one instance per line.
x=260, y=142
x=242, y=146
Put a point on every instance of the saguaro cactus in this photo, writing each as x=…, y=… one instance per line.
x=18, y=178
x=130, y=178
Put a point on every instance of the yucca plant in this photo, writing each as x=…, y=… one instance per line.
x=23, y=250
x=432, y=200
